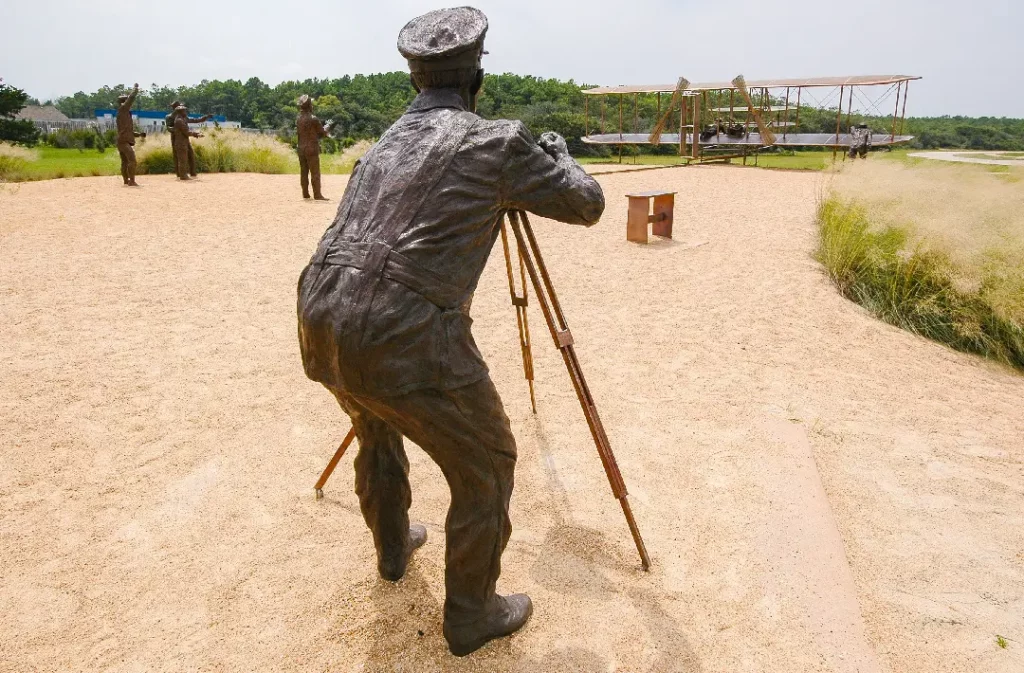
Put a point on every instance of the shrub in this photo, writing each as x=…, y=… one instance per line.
x=81, y=139
x=911, y=286
x=20, y=131
x=329, y=145
x=221, y=151
x=14, y=161
x=154, y=155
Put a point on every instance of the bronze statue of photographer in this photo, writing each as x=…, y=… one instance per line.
x=383, y=313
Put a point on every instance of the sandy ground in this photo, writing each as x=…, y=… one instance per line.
x=820, y=491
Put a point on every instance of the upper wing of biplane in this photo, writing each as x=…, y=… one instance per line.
x=800, y=83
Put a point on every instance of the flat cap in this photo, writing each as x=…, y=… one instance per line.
x=455, y=35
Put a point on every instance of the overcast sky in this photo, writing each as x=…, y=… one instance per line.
x=970, y=55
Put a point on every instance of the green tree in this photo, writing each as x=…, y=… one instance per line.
x=21, y=131
x=364, y=106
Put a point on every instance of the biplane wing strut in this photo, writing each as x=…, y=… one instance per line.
x=767, y=137
x=677, y=99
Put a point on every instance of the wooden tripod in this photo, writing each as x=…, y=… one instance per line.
x=531, y=262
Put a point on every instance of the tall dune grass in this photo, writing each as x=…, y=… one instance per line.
x=14, y=161
x=221, y=151
x=934, y=249
x=344, y=162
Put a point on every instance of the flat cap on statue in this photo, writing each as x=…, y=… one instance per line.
x=453, y=36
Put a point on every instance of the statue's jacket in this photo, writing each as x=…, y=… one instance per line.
x=383, y=305
x=310, y=130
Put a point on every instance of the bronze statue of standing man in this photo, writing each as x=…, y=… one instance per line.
x=169, y=123
x=311, y=130
x=860, y=141
x=126, y=136
x=383, y=312
x=184, y=156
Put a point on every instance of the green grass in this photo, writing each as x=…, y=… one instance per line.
x=799, y=160
x=70, y=163
x=1001, y=642
x=912, y=287
x=55, y=163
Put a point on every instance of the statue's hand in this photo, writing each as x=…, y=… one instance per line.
x=553, y=144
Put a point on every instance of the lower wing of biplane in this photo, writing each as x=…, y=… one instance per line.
x=752, y=139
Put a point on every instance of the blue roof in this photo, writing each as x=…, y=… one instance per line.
x=150, y=114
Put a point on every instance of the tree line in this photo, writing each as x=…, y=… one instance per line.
x=364, y=106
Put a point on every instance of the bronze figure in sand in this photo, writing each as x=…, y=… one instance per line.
x=126, y=135
x=310, y=131
x=169, y=123
x=181, y=143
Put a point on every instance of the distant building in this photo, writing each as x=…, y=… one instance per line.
x=49, y=119
x=41, y=113
x=154, y=121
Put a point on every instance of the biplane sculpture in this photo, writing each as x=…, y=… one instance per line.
x=747, y=116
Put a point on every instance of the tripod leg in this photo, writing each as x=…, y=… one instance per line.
x=529, y=252
x=524, y=336
x=319, y=488
x=521, y=319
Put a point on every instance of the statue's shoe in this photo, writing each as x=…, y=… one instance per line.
x=393, y=569
x=512, y=612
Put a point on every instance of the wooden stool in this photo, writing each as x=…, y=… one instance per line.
x=639, y=215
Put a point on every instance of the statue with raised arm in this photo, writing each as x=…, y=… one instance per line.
x=383, y=313
x=311, y=130
x=126, y=136
x=169, y=123
x=184, y=157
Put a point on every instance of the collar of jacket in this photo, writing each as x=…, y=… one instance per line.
x=437, y=98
